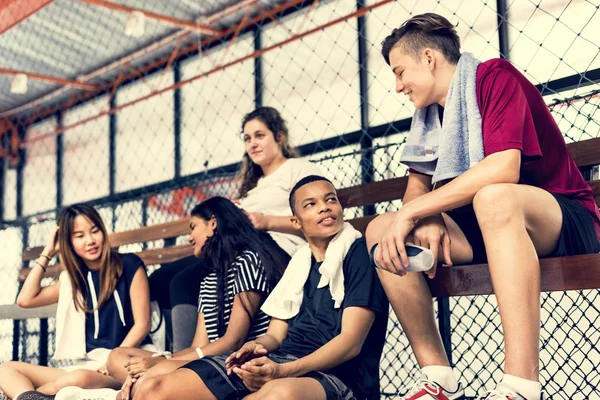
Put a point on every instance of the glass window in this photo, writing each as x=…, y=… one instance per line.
x=145, y=142
x=11, y=247
x=314, y=81
x=213, y=106
x=128, y=216
x=85, y=153
x=39, y=172
x=553, y=39
x=10, y=193
x=477, y=29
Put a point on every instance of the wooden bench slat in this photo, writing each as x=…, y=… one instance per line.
x=31, y=253
x=558, y=274
x=52, y=271
x=596, y=189
x=139, y=235
x=372, y=193
x=360, y=224
x=585, y=153
x=149, y=257
x=166, y=255
x=13, y=311
x=149, y=233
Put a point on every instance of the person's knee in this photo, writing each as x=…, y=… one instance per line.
x=116, y=360
x=81, y=378
x=496, y=205
x=274, y=391
x=376, y=228
x=151, y=389
x=159, y=369
x=8, y=368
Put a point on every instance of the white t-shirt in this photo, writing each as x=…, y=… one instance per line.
x=271, y=197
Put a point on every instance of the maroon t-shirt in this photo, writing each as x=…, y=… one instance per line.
x=515, y=116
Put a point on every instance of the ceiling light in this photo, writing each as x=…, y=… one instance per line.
x=134, y=24
x=19, y=84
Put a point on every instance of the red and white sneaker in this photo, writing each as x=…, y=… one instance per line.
x=425, y=389
x=503, y=392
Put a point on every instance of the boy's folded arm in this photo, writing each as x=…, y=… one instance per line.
x=356, y=323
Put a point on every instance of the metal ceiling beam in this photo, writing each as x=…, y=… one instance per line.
x=12, y=12
x=189, y=25
x=50, y=79
x=124, y=61
x=283, y=8
x=257, y=53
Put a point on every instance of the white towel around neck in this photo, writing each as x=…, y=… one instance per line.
x=285, y=300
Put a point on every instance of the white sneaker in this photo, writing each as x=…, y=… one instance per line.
x=77, y=393
x=425, y=389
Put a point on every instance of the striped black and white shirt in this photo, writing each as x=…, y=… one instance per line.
x=246, y=274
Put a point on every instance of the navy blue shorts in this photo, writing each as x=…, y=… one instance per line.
x=213, y=373
x=577, y=235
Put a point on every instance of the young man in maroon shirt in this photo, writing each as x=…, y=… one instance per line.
x=525, y=199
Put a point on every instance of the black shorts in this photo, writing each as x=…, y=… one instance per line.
x=577, y=234
x=213, y=373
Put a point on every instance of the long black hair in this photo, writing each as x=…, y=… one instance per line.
x=233, y=235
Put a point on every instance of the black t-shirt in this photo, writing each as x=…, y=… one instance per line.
x=318, y=321
x=114, y=322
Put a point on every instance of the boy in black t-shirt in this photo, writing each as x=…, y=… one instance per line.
x=335, y=321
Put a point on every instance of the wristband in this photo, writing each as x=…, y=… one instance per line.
x=199, y=352
x=166, y=354
x=46, y=257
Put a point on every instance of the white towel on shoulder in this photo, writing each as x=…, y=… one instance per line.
x=447, y=150
x=285, y=300
x=70, y=324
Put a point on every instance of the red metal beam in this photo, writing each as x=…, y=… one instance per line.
x=357, y=13
x=50, y=79
x=12, y=12
x=127, y=60
x=190, y=25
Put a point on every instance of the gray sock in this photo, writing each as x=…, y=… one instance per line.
x=183, y=320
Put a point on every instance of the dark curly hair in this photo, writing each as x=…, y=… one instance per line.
x=424, y=30
x=250, y=173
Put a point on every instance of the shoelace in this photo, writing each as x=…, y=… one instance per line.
x=422, y=384
x=498, y=394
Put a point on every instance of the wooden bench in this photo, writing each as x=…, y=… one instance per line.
x=558, y=274
x=562, y=273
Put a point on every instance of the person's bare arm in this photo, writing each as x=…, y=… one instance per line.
x=261, y=346
x=501, y=167
x=140, y=306
x=32, y=293
x=264, y=222
x=356, y=323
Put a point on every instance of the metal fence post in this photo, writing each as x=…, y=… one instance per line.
x=258, y=72
x=366, y=142
x=444, y=325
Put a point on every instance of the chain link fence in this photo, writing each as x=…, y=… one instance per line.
x=158, y=130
